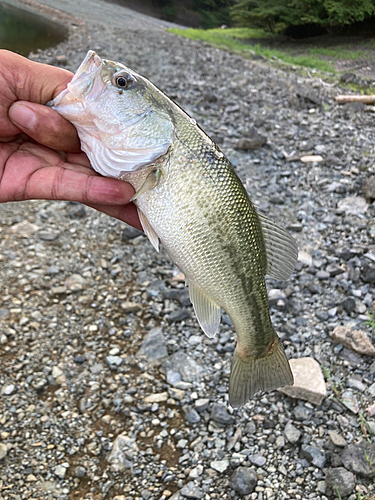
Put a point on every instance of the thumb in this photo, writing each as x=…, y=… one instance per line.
x=45, y=126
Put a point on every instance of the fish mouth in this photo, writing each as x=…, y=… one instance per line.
x=85, y=81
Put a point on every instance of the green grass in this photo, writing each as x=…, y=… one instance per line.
x=371, y=321
x=243, y=41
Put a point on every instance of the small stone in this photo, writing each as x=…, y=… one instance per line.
x=154, y=348
x=130, y=307
x=114, y=360
x=77, y=211
x=201, y=404
x=313, y=455
x=280, y=442
x=52, y=270
x=369, y=188
x=251, y=143
x=3, y=450
x=368, y=273
x=192, y=491
x=355, y=457
x=258, y=459
x=353, y=383
x=30, y=478
x=220, y=415
x=56, y=372
x=196, y=472
x=177, y=393
x=60, y=471
x=191, y=415
x=305, y=258
x=180, y=315
x=220, y=465
x=4, y=312
x=80, y=471
x=322, y=275
x=292, y=433
x=243, y=481
x=311, y=158
x=349, y=305
x=24, y=229
x=357, y=340
x=157, y=398
x=130, y=232
x=48, y=235
x=8, y=390
x=301, y=413
x=337, y=439
x=75, y=283
x=309, y=383
x=349, y=400
x=341, y=481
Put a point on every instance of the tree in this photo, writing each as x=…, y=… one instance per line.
x=277, y=15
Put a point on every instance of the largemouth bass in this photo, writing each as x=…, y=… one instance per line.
x=190, y=199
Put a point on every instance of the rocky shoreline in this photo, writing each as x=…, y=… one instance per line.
x=109, y=390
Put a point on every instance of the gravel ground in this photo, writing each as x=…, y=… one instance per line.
x=109, y=390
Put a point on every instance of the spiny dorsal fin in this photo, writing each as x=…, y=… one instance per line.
x=281, y=248
x=208, y=313
x=150, y=233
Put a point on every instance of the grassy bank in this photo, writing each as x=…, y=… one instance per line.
x=255, y=41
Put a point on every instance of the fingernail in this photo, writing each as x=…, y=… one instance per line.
x=22, y=116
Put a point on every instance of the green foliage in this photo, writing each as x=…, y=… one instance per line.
x=277, y=15
x=371, y=321
x=213, y=13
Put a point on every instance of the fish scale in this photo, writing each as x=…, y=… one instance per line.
x=189, y=197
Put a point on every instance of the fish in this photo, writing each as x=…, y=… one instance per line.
x=190, y=200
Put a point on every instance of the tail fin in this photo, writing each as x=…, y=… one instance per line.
x=263, y=373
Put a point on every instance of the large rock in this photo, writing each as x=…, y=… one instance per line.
x=356, y=340
x=192, y=491
x=189, y=369
x=309, y=383
x=220, y=415
x=340, y=481
x=243, y=481
x=153, y=347
x=353, y=205
x=359, y=458
x=122, y=454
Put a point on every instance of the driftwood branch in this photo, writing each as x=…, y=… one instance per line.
x=366, y=99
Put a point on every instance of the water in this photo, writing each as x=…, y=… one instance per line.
x=23, y=31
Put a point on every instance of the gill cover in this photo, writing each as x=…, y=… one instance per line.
x=121, y=130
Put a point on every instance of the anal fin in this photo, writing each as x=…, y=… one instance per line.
x=208, y=313
x=150, y=233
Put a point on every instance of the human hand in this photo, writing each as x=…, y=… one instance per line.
x=40, y=155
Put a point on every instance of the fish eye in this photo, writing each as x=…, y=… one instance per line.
x=123, y=81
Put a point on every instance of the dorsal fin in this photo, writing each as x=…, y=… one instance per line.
x=281, y=248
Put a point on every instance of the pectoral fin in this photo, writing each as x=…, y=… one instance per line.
x=150, y=182
x=208, y=313
x=150, y=233
x=281, y=248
